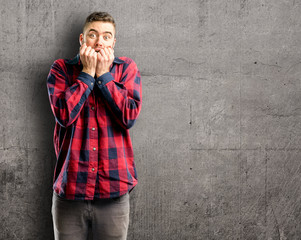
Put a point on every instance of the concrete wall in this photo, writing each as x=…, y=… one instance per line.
x=217, y=144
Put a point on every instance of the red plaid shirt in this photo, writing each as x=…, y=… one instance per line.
x=91, y=137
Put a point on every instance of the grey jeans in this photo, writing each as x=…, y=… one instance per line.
x=109, y=218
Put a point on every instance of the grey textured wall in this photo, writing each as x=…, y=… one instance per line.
x=217, y=144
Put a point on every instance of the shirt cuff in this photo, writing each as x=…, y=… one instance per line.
x=87, y=79
x=104, y=79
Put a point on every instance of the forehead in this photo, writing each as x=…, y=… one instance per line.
x=100, y=27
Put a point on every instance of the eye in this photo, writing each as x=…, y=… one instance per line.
x=92, y=35
x=107, y=37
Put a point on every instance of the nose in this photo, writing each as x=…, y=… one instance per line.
x=99, y=43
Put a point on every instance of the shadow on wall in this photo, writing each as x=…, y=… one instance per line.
x=42, y=124
x=42, y=158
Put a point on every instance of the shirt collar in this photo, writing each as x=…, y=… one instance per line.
x=76, y=60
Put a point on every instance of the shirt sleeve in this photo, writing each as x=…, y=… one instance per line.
x=123, y=97
x=67, y=96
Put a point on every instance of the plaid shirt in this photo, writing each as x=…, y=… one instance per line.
x=91, y=137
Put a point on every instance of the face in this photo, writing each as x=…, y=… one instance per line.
x=98, y=35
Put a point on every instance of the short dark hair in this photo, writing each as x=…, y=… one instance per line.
x=99, y=16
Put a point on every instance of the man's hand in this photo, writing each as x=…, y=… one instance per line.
x=105, y=58
x=88, y=57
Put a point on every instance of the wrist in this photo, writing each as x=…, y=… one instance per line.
x=88, y=71
x=101, y=73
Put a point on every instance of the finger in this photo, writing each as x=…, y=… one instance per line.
x=82, y=49
x=111, y=54
x=95, y=55
x=83, y=45
x=99, y=57
x=103, y=54
x=106, y=51
x=108, y=54
x=92, y=55
x=91, y=52
x=112, y=57
x=111, y=51
x=87, y=52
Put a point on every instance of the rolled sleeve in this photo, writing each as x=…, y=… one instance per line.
x=87, y=79
x=104, y=79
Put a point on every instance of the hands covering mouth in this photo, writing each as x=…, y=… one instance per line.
x=96, y=61
x=98, y=49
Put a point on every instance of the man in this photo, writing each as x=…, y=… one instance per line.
x=95, y=99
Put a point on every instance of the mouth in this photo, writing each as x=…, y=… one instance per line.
x=97, y=49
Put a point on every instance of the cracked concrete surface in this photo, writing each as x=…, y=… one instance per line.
x=217, y=145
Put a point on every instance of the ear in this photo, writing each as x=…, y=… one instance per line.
x=81, y=39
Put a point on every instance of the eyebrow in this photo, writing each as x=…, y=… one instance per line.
x=93, y=30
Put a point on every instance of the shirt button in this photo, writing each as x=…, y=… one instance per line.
x=93, y=169
x=91, y=83
x=99, y=82
x=93, y=108
x=93, y=129
x=94, y=149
